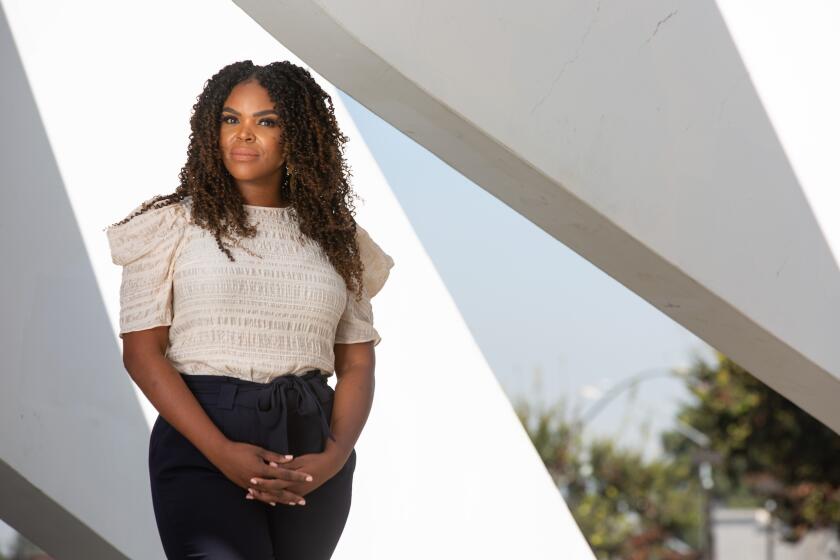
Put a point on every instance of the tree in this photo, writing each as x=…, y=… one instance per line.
x=769, y=453
x=773, y=451
x=625, y=508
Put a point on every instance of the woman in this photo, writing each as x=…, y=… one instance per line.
x=241, y=293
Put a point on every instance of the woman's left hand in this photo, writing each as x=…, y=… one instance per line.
x=322, y=466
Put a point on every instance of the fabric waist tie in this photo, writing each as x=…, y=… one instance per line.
x=273, y=401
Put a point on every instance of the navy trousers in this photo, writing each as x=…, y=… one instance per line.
x=200, y=513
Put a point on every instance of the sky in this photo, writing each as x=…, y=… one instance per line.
x=552, y=326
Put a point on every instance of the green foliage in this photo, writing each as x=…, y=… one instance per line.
x=769, y=451
x=624, y=507
x=772, y=450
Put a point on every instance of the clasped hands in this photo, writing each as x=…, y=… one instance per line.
x=271, y=477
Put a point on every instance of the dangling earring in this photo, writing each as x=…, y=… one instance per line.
x=291, y=176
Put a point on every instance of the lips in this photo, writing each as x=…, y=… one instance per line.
x=245, y=152
x=244, y=155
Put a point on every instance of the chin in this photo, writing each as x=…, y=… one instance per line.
x=240, y=176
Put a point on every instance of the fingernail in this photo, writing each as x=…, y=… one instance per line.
x=302, y=502
x=249, y=497
x=273, y=503
x=288, y=456
x=309, y=478
x=291, y=503
x=273, y=464
x=254, y=481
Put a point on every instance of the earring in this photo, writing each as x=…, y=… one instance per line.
x=291, y=175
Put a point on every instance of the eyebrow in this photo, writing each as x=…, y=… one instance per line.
x=257, y=114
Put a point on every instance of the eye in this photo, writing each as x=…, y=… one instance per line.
x=271, y=122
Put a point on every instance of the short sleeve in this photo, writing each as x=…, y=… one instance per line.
x=146, y=246
x=356, y=323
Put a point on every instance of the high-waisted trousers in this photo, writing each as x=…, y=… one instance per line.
x=200, y=513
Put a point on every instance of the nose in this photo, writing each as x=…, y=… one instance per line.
x=244, y=132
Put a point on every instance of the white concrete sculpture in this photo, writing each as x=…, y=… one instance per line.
x=656, y=140
x=686, y=149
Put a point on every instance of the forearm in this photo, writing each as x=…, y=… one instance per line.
x=351, y=407
x=164, y=387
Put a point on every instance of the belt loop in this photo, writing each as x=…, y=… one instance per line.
x=227, y=395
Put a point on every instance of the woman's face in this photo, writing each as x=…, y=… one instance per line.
x=250, y=137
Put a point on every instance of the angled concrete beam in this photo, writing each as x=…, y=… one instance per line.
x=634, y=135
x=73, y=440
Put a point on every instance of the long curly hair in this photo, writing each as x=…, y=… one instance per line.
x=315, y=179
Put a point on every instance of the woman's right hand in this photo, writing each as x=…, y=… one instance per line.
x=240, y=462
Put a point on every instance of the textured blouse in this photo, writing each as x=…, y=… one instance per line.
x=278, y=309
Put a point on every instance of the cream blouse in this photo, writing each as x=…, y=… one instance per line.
x=278, y=309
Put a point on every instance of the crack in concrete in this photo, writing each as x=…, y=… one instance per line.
x=570, y=61
x=659, y=23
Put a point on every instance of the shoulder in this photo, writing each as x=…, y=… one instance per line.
x=377, y=263
x=145, y=232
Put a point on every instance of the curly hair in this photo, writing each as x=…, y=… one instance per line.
x=315, y=179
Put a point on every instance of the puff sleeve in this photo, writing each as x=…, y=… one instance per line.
x=146, y=247
x=356, y=323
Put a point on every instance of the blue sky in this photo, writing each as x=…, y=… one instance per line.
x=549, y=322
